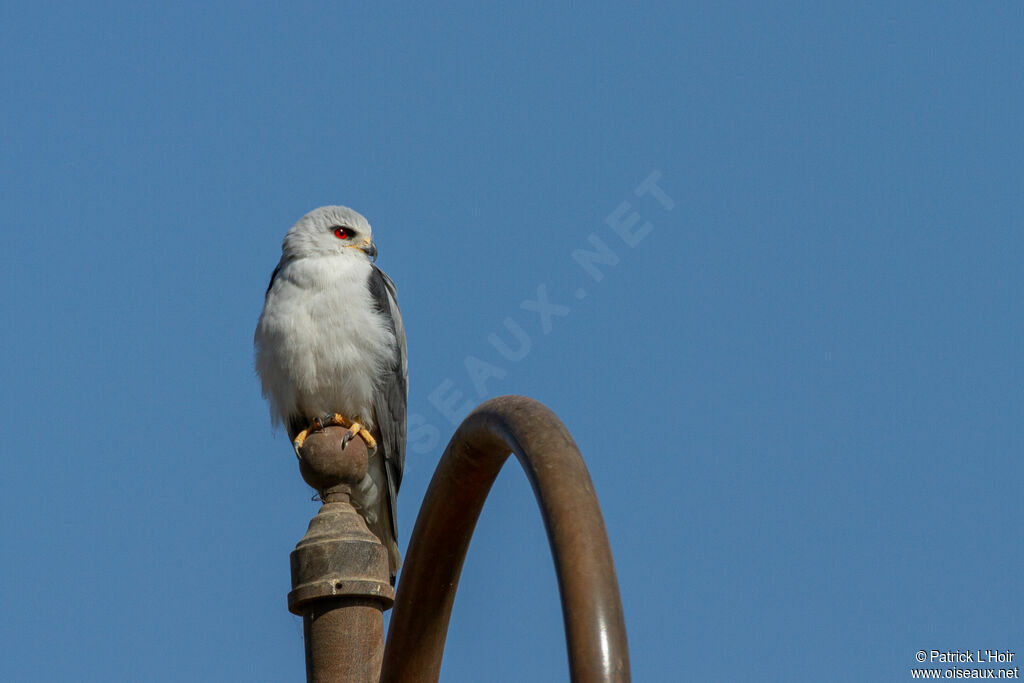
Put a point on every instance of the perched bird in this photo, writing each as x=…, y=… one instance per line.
x=330, y=349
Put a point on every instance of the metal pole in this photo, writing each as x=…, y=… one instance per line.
x=594, y=622
x=340, y=579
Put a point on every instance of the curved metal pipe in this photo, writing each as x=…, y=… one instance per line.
x=594, y=625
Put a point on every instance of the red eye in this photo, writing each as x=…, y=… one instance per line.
x=342, y=233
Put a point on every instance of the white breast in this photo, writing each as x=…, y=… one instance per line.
x=320, y=342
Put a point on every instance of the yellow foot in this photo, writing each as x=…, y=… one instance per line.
x=356, y=428
x=320, y=423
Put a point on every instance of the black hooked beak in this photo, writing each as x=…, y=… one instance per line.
x=370, y=249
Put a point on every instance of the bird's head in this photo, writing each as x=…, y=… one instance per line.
x=330, y=231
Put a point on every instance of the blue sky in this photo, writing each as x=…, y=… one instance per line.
x=813, y=355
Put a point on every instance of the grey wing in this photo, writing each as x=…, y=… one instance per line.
x=389, y=403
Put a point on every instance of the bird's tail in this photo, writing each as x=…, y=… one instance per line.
x=371, y=500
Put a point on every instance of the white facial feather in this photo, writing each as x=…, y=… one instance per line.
x=313, y=234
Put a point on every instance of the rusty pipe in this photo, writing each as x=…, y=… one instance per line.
x=340, y=578
x=594, y=625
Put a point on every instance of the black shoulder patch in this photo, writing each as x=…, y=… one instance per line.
x=273, y=276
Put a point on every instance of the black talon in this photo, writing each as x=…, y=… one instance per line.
x=345, y=439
